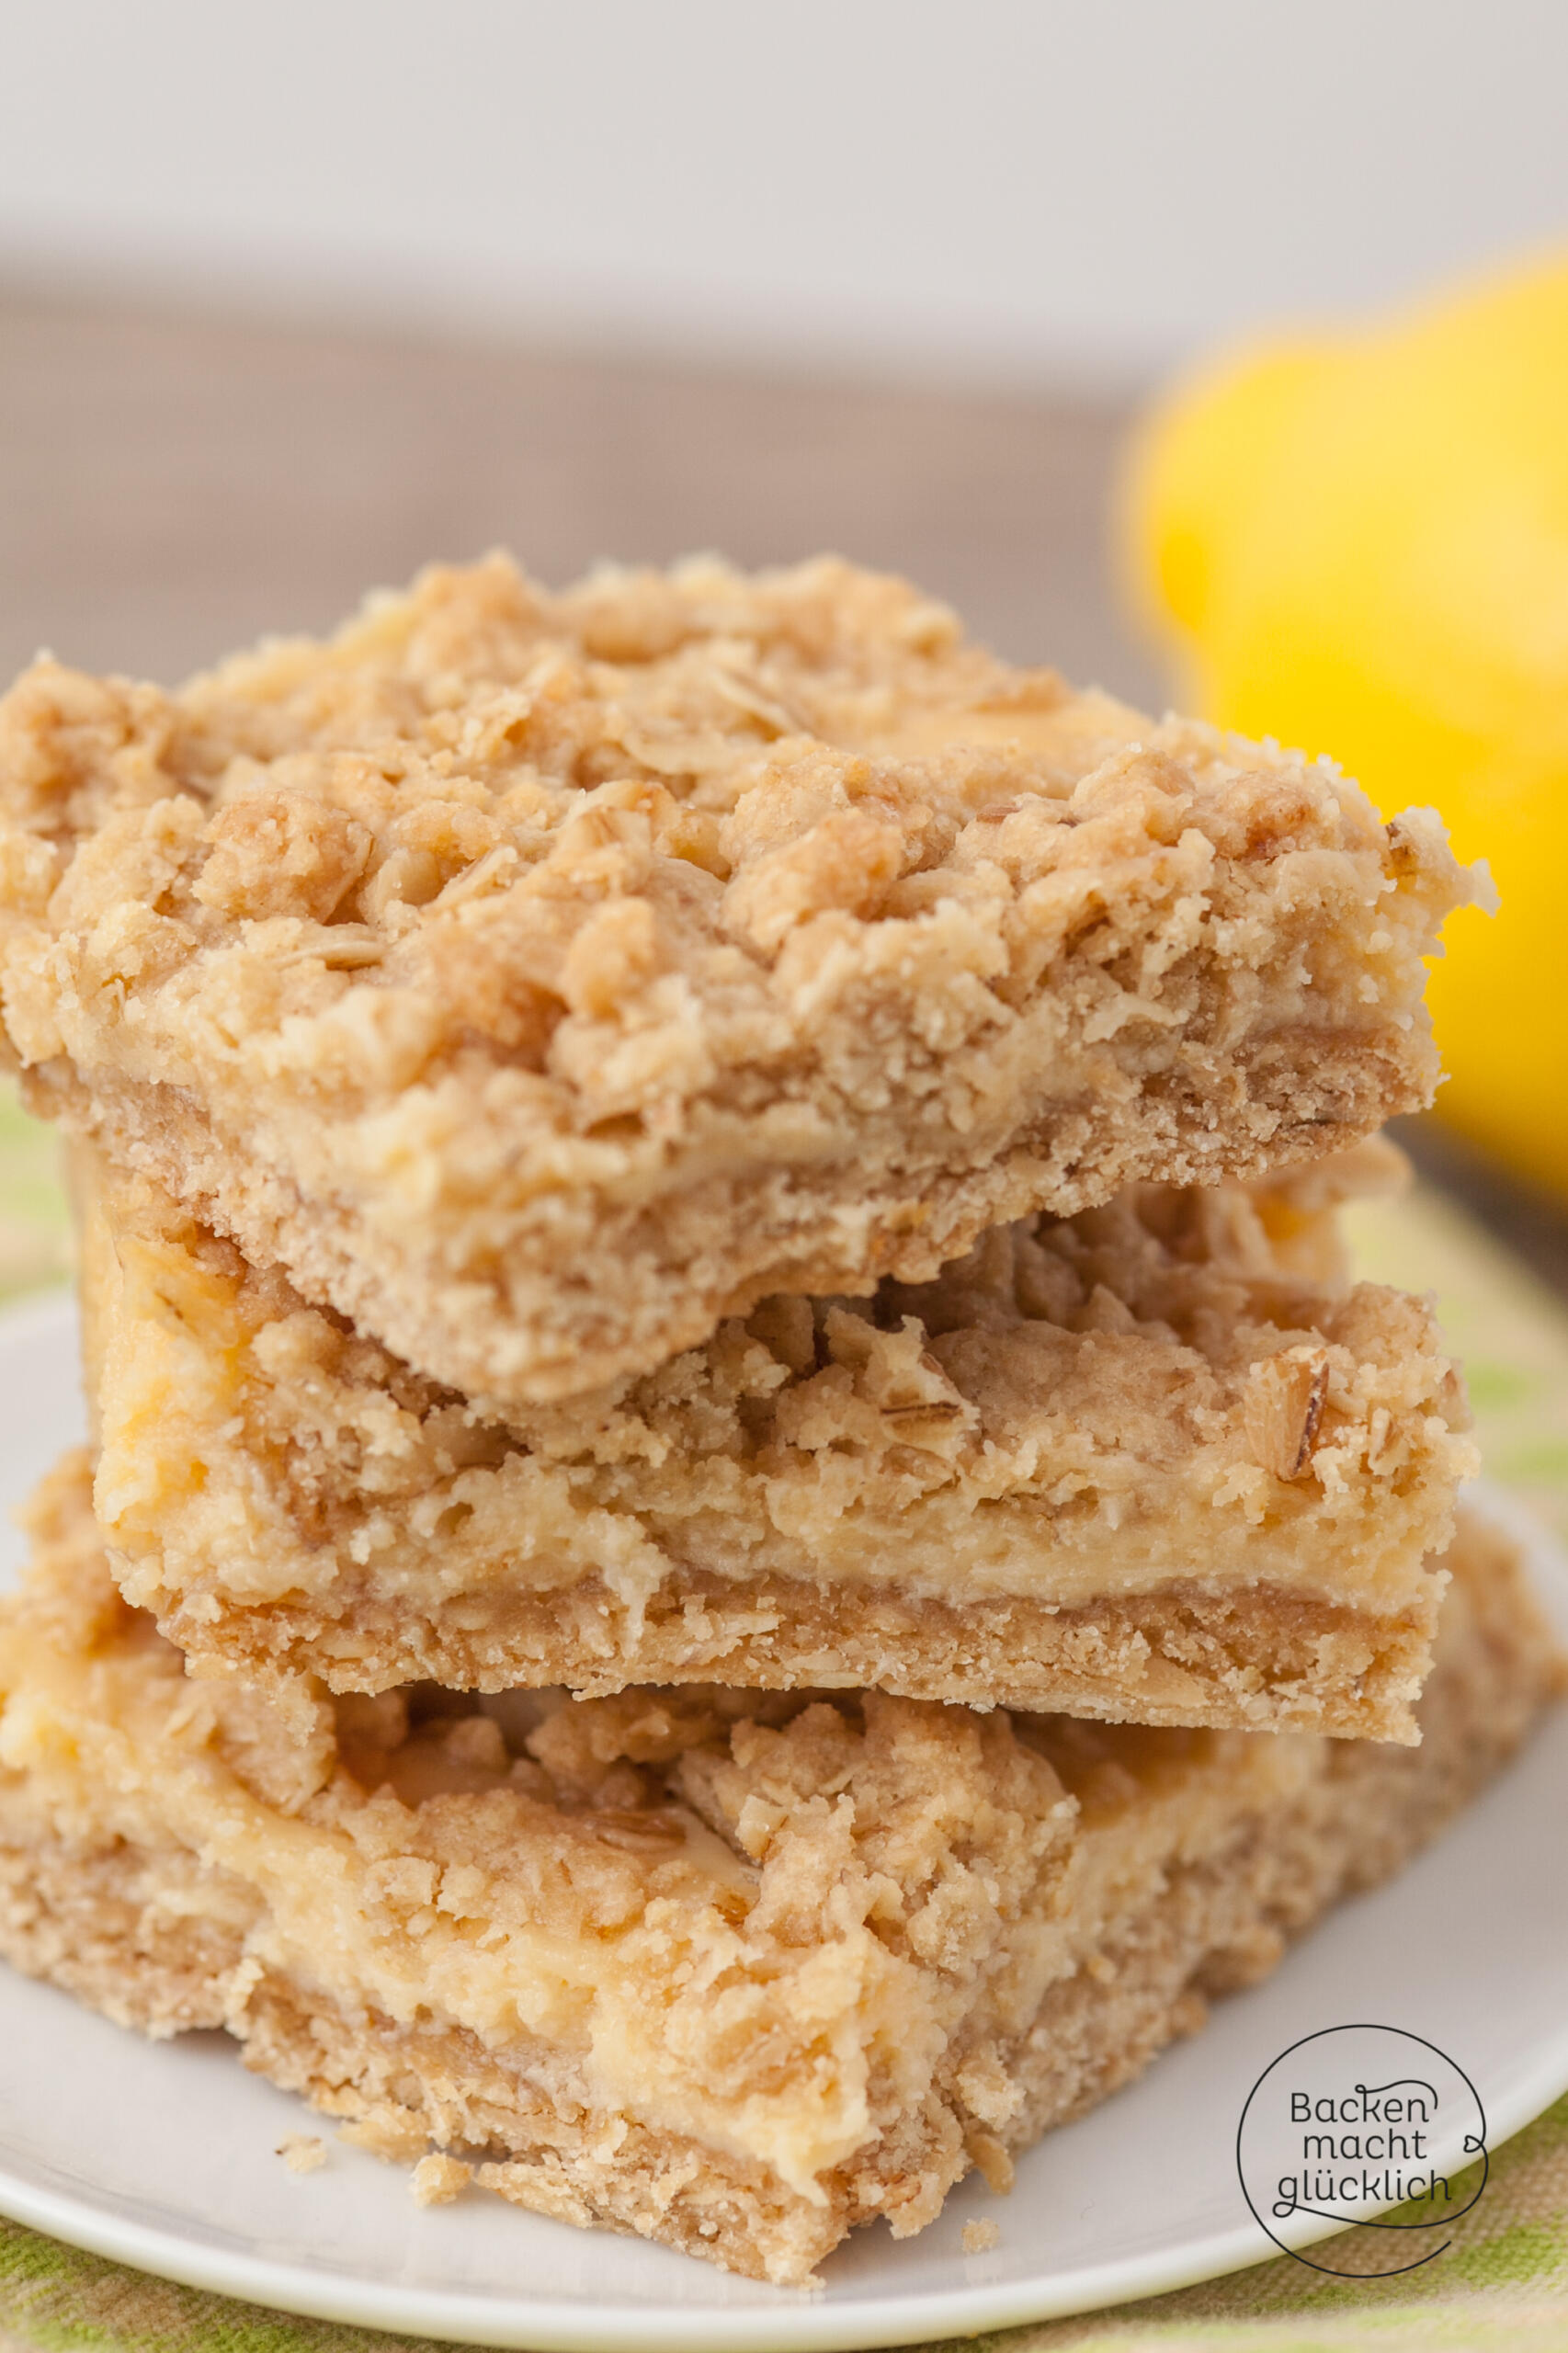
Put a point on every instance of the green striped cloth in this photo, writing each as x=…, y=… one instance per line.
x=1503, y=2283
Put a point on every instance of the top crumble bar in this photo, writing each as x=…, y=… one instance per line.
x=540, y=979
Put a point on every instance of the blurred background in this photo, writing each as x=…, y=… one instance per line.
x=293, y=300
x=298, y=297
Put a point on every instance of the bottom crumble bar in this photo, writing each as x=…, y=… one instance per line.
x=735, y=1971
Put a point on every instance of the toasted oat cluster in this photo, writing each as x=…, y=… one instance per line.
x=1159, y=1460
x=735, y=1971
x=542, y=979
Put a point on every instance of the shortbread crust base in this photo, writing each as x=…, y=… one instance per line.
x=1255, y=1659
x=836, y=1233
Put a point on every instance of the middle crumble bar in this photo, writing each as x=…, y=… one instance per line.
x=1158, y=1461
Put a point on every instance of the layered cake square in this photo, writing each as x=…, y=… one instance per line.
x=735, y=1971
x=540, y=981
x=1161, y=1461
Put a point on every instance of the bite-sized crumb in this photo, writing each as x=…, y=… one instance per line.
x=438, y=2180
x=991, y=2160
x=384, y=2134
x=303, y=2151
x=979, y=2238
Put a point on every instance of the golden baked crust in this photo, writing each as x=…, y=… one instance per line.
x=736, y=1971
x=1157, y=1461
x=543, y=979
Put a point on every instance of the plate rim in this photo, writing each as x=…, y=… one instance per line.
x=803, y=2320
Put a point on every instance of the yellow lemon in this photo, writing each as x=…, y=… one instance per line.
x=1360, y=546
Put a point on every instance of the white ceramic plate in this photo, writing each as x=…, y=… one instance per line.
x=163, y=2155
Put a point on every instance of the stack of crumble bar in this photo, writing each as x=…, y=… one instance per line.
x=744, y=1529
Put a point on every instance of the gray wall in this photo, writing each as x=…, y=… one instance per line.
x=1002, y=189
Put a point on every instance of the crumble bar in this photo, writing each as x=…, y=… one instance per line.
x=541, y=980
x=735, y=1971
x=1158, y=1461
